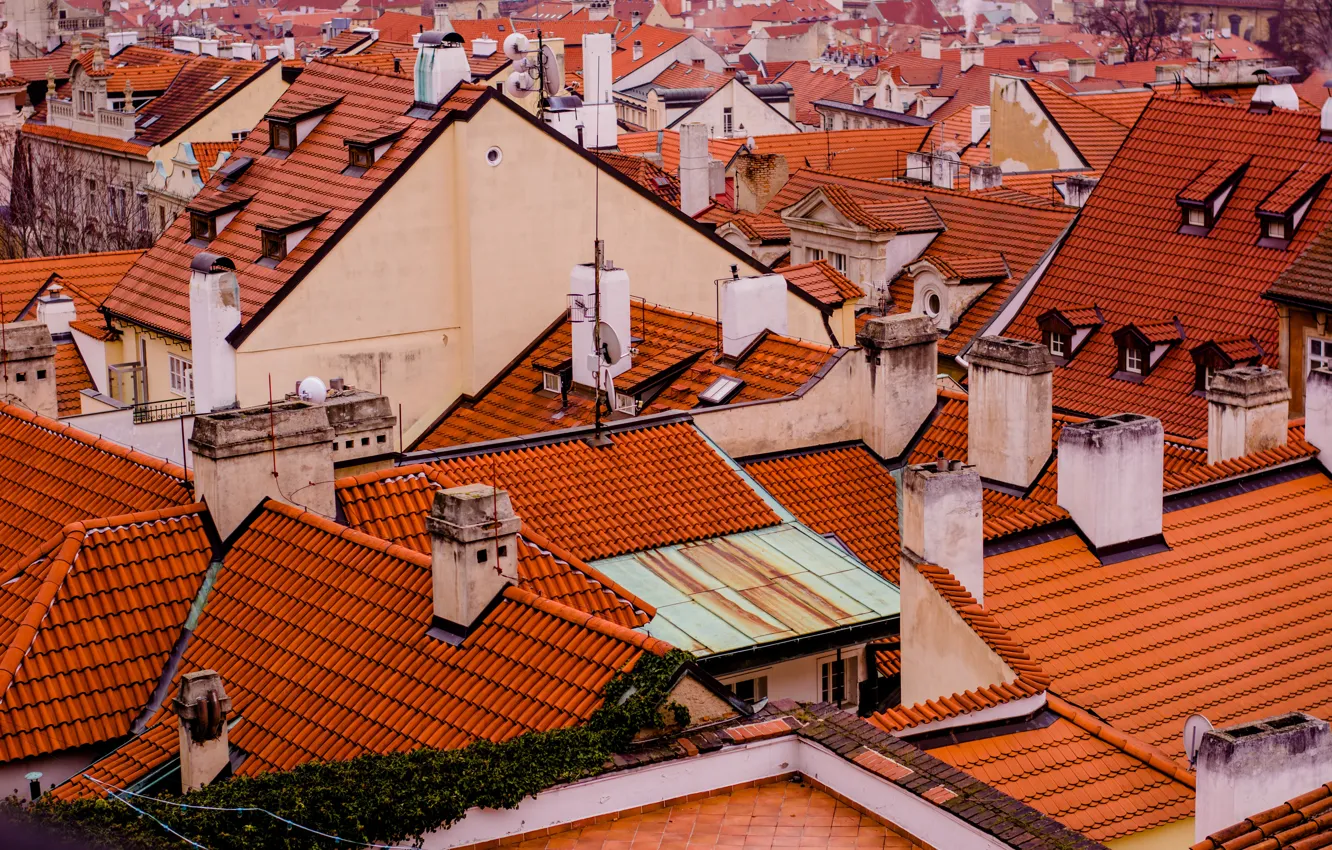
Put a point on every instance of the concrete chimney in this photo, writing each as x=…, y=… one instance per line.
x=1027, y=36
x=1110, y=480
x=242, y=50
x=1251, y=767
x=27, y=368
x=941, y=520
x=750, y=306
x=473, y=553
x=1116, y=54
x=209, y=46
x=363, y=437
x=1078, y=189
x=214, y=313
x=1248, y=410
x=603, y=129
x=289, y=47
x=902, y=355
x=56, y=310
x=972, y=55
x=440, y=66
x=272, y=51
x=1080, y=68
x=1009, y=409
x=202, y=705
x=929, y=45
x=1318, y=412
x=638, y=50
x=986, y=176
x=694, y=168
x=237, y=451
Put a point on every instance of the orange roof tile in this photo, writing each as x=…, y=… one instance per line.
x=1302, y=822
x=87, y=278
x=56, y=474
x=822, y=282
x=678, y=75
x=1213, y=283
x=87, y=623
x=658, y=181
x=154, y=291
x=206, y=154
x=677, y=348
x=60, y=134
x=1094, y=135
x=654, y=41
x=71, y=378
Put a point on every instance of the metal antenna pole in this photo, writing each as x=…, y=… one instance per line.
x=596, y=330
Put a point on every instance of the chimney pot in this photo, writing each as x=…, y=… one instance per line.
x=474, y=553
x=1111, y=477
x=1248, y=411
x=1010, y=409
x=56, y=310
x=202, y=705
x=440, y=66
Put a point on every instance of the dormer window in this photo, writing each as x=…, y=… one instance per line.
x=290, y=121
x=280, y=235
x=1065, y=331
x=359, y=157
x=1196, y=216
x=1058, y=344
x=210, y=215
x=1281, y=213
x=365, y=149
x=1276, y=229
x=201, y=228
x=1219, y=355
x=1133, y=359
x=1142, y=347
x=274, y=246
x=1202, y=201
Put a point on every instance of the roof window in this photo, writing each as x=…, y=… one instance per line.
x=232, y=169
x=219, y=84
x=1065, y=331
x=210, y=215
x=280, y=235
x=1142, y=347
x=149, y=121
x=291, y=121
x=1281, y=213
x=721, y=390
x=365, y=149
x=1202, y=201
x=1219, y=355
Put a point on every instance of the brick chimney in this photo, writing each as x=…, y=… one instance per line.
x=902, y=355
x=214, y=313
x=1251, y=767
x=694, y=167
x=758, y=179
x=236, y=453
x=27, y=368
x=1110, y=480
x=1248, y=410
x=929, y=45
x=972, y=55
x=473, y=554
x=202, y=705
x=986, y=176
x=1318, y=412
x=1009, y=409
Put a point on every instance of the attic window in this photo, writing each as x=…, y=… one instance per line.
x=210, y=215
x=1281, y=213
x=1202, y=201
x=1132, y=362
x=283, y=233
x=721, y=390
x=1058, y=344
x=202, y=227
x=219, y=84
x=274, y=246
x=149, y=121
x=550, y=382
x=281, y=137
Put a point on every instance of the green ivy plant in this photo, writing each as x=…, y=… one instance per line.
x=393, y=798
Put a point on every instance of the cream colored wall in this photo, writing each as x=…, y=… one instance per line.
x=1022, y=136
x=1172, y=836
x=156, y=347
x=242, y=111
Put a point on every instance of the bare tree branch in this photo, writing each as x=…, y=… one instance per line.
x=1145, y=36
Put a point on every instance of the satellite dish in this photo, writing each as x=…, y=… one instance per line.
x=611, y=347
x=1194, y=729
x=550, y=71
x=313, y=390
x=515, y=45
x=519, y=85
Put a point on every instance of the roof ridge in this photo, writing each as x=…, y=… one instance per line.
x=20, y=643
x=538, y=539
x=351, y=535
x=1140, y=750
x=590, y=621
x=897, y=183
x=378, y=475
x=100, y=443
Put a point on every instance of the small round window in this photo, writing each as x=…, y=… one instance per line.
x=932, y=305
x=494, y=156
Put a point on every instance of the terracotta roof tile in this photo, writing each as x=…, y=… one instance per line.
x=1301, y=822
x=154, y=292
x=60, y=134
x=678, y=75
x=88, y=622
x=1212, y=283
x=512, y=406
x=655, y=41
x=1307, y=279
x=87, y=278
x=56, y=474
x=1293, y=190
x=1095, y=135
x=206, y=154
x=71, y=378
x=658, y=181
x=822, y=282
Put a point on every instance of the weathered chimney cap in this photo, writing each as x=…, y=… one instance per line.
x=473, y=512
x=898, y=331
x=1018, y=356
x=250, y=430
x=208, y=262
x=202, y=703
x=1123, y=424
x=28, y=340
x=1248, y=386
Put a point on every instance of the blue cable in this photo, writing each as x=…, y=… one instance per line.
x=142, y=813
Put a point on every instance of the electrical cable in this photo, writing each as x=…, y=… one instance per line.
x=142, y=813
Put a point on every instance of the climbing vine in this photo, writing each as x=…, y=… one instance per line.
x=379, y=799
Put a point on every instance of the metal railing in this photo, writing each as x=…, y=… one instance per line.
x=160, y=411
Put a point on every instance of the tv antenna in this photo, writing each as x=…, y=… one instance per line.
x=534, y=70
x=1194, y=729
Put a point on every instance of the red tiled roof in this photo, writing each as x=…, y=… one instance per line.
x=55, y=474
x=655, y=42
x=154, y=292
x=678, y=75
x=809, y=85
x=87, y=279
x=1212, y=283
x=863, y=153
x=71, y=378
x=206, y=154
x=1095, y=136
x=822, y=282
x=656, y=180
x=1304, y=822
x=776, y=367
x=88, y=622
x=1293, y=190
x=393, y=505
x=845, y=491
x=401, y=26
x=60, y=134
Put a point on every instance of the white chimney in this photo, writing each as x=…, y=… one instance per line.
x=289, y=47
x=603, y=130
x=208, y=46
x=901, y=353
x=1078, y=189
x=1111, y=479
x=214, y=313
x=56, y=310
x=638, y=50
x=203, y=706
x=440, y=66
x=28, y=376
x=1116, y=54
x=1248, y=411
x=750, y=306
x=583, y=320
x=1318, y=412
x=1010, y=409
x=483, y=47
x=236, y=451
x=271, y=52
x=986, y=176
x=1080, y=68
x=972, y=54
x=929, y=45
x=473, y=554
x=118, y=41
x=695, y=181
x=242, y=50
x=185, y=44
x=1252, y=767
x=944, y=168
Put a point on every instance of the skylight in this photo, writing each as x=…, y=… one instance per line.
x=219, y=84
x=721, y=390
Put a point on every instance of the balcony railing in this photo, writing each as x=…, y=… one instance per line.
x=160, y=411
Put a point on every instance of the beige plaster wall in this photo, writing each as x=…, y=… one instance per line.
x=1022, y=136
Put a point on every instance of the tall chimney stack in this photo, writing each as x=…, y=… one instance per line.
x=27, y=368
x=1248, y=410
x=1009, y=409
x=694, y=159
x=202, y=705
x=901, y=352
x=941, y=520
x=1111, y=480
x=473, y=553
x=929, y=45
x=214, y=313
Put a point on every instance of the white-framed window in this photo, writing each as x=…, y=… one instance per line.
x=838, y=261
x=1133, y=360
x=813, y=255
x=182, y=376
x=239, y=135
x=1320, y=353
x=751, y=690
x=550, y=381
x=933, y=305
x=1058, y=344
x=1276, y=229
x=839, y=680
x=1197, y=217
x=728, y=121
